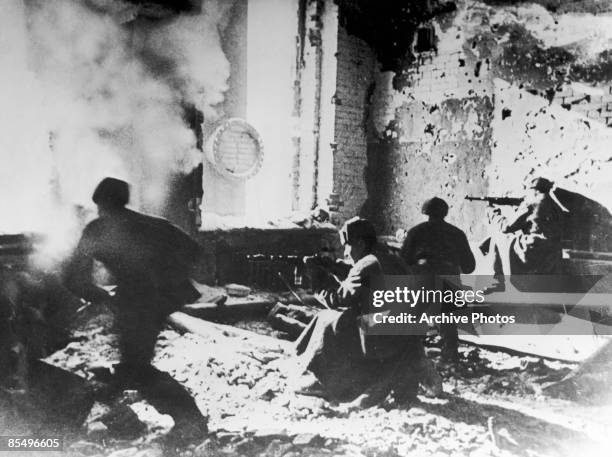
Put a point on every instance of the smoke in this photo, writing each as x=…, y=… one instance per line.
x=197, y=70
x=88, y=97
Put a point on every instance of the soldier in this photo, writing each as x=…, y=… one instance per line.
x=531, y=243
x=348, y=363
x=433, y=248
x=150, y=260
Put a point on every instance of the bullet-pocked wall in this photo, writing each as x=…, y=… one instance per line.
x=497, y=92
x=431, y=136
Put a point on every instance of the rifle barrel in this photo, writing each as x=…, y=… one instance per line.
x=512, y=201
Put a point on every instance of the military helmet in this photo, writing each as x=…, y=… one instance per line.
x=111, y=192
x=435, y=207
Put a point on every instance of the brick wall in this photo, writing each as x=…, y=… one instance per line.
x=594, y=103
x=355, y=75
x=432, y=135
x=509, y=93
x=534, y=137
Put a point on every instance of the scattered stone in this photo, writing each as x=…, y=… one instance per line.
x=129, y=397
x=312, y=451
x=208, y=448
x=237, y=290
x=148, y=415
x=97, y=411
x=123, y=422
x=247, y=446
x=97, y=430
x=411, y=430
x=150, y=452
x=86, y=448
x=270, y=434
x=308, y=439
x=417, y=411
x=268, y=395
x=127, y=452
x=330, y=442
x=278, y=448
x=351, y=450
x=225, y=437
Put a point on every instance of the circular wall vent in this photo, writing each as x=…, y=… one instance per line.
x=235, y=149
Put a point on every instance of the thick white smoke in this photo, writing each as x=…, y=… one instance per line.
x=191, y=45
x=86, y=97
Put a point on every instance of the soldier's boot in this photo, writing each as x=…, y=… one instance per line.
x=430, y=378
x=450, y=343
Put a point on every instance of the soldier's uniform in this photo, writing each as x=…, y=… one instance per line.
x=436, y=248
x=337, y=346
x=150, y=260
x=531, y=243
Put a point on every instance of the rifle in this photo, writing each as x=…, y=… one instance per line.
x=509, y=201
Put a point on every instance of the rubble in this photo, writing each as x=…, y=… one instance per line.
x=240, y=381
x=123, y=423
x=86, y=448
x=97, y=430
x=237, y=290
x=308, y=439
x=156, y=423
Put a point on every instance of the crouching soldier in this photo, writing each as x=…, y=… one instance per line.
x=346, y=362
x=530, y=243
x=150, y=260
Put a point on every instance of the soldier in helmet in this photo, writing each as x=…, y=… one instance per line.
x=150, y=260
x=433, y=248
x=530, y=243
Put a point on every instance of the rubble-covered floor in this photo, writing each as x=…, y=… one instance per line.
x=492, y=406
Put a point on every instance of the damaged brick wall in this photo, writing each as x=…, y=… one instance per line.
x=431, y=134
x=355, y=76
x=511, y=90
x=552, y=74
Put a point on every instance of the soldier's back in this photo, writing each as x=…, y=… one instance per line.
x=436, y=241
x=142, y=251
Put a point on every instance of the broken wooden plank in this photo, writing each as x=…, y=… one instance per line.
x=591, y=255
x=568, y=348
x=239, y=309
x=244, y=308
x=186, y=323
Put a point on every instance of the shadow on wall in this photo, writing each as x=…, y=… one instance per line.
x=587, y=225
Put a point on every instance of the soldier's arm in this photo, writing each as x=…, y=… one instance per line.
x=77, y=275
x=501, y=223
x=407, y=251
x=522, y=213
x=354, y=291
x=325, y=272
x=184, y=247
x=466, y=257
x=343, y=293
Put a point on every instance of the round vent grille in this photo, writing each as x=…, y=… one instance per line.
x=235, y=149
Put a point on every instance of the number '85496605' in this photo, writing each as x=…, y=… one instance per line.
x=8, y=443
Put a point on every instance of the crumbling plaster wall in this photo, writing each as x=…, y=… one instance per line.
x=513, y=90
x=553, y=97
x=431, y=128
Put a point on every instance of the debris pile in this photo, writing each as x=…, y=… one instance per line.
x=493, y=404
